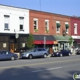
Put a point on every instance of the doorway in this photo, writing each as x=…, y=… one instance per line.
x=12, y=47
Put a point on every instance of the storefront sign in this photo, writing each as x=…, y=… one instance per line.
x=4, y=45
x=23, y=44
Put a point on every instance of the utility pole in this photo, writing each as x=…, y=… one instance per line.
x=40, y=4
x=44, y=42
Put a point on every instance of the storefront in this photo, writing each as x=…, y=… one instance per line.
x=63, y=41
x=9, y=41
x=46, y=41
x=76, y=42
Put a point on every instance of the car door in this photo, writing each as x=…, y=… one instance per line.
x=35, y=52
x=40, y=52
x=9, y=55
x=63, y=52
x=1, y=56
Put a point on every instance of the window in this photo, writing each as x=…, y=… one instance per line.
x=66, y=26
x=47, y=26
x=75, y=28
x=35, y=24
x=58, y=26
x=21, y=26
x=6, y=22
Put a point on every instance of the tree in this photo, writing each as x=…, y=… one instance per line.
x=30, y=42
x=70, y=41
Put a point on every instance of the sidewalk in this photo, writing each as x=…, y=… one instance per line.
x=49, y=55
x=74, y=52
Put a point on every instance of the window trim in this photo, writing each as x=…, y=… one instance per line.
x=67, y=30
x=47, y=24
x=57, y=28
x=75, y=32
x=35, y=19
x=6, y=16
x=21, y=18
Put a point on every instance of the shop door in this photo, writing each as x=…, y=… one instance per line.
x=12, y=47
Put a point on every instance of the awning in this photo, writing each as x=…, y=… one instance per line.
x=62, y=38
x=67, y=26
x=77, y=40
x=58, y=24
x=39, y=39
x=42, y=42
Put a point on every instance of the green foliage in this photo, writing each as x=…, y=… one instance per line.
x=36, y=30
x=47, y=31
x=70, y=40
x=30, y=42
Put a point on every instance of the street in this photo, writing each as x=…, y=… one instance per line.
x=53, y=68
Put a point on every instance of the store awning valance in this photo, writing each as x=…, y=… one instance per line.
x=39, y=39
x=62, y=38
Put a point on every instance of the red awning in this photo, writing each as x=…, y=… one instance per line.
x=77, y=40
x=42, y=42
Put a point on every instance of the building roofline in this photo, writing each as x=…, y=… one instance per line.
x=40, y=11
x=51, y=13
x=13, y=6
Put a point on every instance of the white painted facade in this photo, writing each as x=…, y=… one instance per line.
x=14, y=22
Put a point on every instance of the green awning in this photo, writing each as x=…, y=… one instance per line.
x=58, y=24
x=62, y=38
x=67, y=26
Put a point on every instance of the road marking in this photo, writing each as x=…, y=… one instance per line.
x=42, y=63
x=47, y=69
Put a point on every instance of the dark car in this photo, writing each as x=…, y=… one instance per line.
x=6, y=55
x=78, y=52
x=62, y=53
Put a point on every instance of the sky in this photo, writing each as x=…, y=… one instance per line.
x=65, y=7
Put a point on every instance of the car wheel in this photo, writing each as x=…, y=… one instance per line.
x=30, y=56
x=12, y=58
x=45, y=55
x=69, y=54
x=53, y=55
x=61, y=55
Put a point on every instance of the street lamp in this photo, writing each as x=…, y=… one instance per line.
x=16, y=34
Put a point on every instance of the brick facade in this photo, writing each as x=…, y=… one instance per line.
x=42, y=16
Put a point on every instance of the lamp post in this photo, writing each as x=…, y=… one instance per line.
x=16, y=34
x=44, y=41
x=17, y=39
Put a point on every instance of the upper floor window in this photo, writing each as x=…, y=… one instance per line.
x=47, y=26
x=21, y=25
x=75, y=28
x=6, y=22
x=35, y=24
x=58, y=26
x=66, y=27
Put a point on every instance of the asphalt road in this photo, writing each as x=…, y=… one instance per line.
x=54, y=68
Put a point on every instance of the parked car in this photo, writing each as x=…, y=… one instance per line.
x=78, y=51
x=62, y=53
x=36, y=52
x=6, y=55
